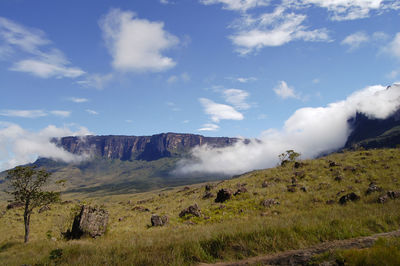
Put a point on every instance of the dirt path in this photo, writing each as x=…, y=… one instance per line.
x=302, y=256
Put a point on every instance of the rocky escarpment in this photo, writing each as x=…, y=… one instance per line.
x=146, y=148
x=374, y=133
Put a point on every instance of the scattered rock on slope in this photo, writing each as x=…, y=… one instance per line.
x=90, y=221
x=157, y=220
x=194, y=210
x=372, y=188
x=223, y=195
x=349, y=197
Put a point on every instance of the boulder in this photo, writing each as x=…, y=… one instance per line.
x=339, y=178
x=349, y=197
x=383, y=199
x=208, y=187
x=240, y=191
x=14, y=205
x=194, y=210
x=333, y=164
x=223, y=195
x=140, y=209
x=393, y=194
x=372, y=188
x=269, y=202
x=265, y=184
x=91, y=221
x=157, y=220
x=208, y=195
x=291, y=188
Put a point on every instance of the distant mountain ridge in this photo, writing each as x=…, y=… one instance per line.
x=372, y=133
x=148, y=148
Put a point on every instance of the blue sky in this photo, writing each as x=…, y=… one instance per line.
x=213, y=67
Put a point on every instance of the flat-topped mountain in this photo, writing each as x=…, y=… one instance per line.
x=146, y=148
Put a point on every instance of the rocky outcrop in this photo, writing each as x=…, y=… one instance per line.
x=223, y=195
x=146, y=148
x=157, y=220
x=193, y=210
x=90, y=221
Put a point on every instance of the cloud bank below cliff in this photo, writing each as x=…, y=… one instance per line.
x=310, y=131
x=19, y=146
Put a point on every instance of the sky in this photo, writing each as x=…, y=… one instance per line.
x=211, y=67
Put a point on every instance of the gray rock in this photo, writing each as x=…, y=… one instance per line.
x=91, y=221
x=157, y=220
x=194, y=210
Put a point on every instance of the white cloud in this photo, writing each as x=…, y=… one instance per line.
x=23, y=113
x=61, y=113
x=393, y=47
x=237, y=5
x=97, y=81
x=284, y=91
x=78, y=100
x=219, y=111
x=185, y=77
x=136, y=44
x=274, y=29
x=245, y=80
x=237, y=98
x=347, y=9
x=172, y=79
x=44, y=61
x=20, y=146
x=355, y=40
x=46, y=70
x=209, y=127
x=310, y=131
x=92, y=112
x=164, y=2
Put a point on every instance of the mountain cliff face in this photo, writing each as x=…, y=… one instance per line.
x=374, y=133
x=146, y=148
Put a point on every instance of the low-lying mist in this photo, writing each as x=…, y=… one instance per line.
x=19, y=146
x=310, y=131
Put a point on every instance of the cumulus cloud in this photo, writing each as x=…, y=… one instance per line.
x=284, y=91
x=19, y=146
x=237, y=98
x=237, y=5
x=209, y=127
x=44, y=60
x=136, y=44
x=219, y=111
x=310, y=131
x=274, y=29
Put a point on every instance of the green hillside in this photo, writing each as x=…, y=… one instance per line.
x=308, y=213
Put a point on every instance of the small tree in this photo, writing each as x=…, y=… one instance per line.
x=26, y=185
x=288, y=156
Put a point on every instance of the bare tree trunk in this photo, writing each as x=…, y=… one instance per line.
x=27, y=218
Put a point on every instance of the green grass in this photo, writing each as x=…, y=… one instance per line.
x=239, y=229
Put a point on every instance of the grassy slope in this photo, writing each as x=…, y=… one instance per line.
x=242, y=228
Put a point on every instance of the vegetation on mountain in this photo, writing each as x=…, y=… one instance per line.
x=263, y=219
